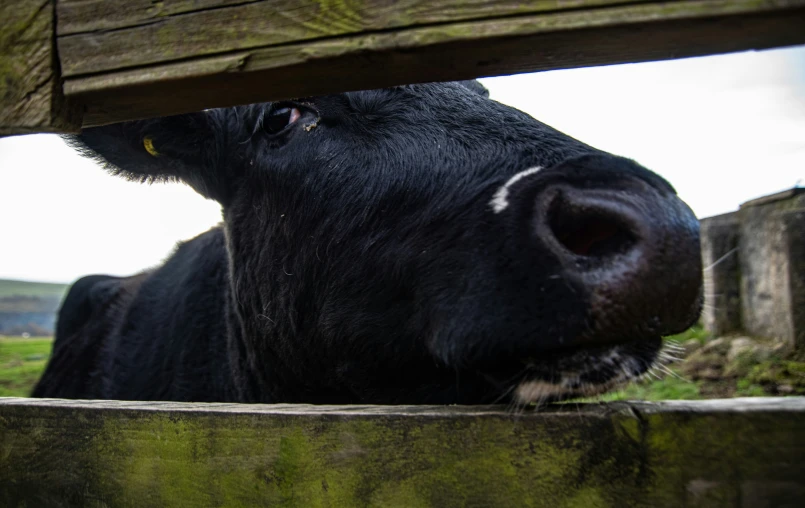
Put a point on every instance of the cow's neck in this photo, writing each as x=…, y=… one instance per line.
x=264, y=318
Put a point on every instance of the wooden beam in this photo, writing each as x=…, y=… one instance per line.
x=126, y=59
x=739, y=452
x=30, y=89
x=134, y=34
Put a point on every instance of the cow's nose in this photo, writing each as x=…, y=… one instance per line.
x=634, y=250
x=590, y=226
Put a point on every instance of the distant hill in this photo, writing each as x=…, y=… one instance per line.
x=29, y=307
x=26, y=288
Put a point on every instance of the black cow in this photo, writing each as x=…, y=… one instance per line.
x=419, y=244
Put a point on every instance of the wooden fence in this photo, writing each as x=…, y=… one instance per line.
x=88, y=62
x=741, y=452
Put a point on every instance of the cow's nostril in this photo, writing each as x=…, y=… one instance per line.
x=589, y=231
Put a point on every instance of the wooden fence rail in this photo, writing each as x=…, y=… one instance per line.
x=740, y=452
x=125, y=59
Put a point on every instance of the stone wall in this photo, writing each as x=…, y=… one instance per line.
x=755, y=269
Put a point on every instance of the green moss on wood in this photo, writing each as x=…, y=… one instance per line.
x=585, y=456
x=30, y=95
x=339, y=463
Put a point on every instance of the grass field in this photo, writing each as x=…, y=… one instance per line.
x=22, y=361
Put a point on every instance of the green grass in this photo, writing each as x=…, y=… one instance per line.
x=672, y=386
x=694, y=332
x=22, y=362
x=746, y=388
x=25, y=288
x=667, y=388
x=744, y=376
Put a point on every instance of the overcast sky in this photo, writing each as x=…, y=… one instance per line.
x=721, y=129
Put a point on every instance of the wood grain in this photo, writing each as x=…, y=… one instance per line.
x=141, y=36
x=221, y=55
x=740, y=452
x=30, y=90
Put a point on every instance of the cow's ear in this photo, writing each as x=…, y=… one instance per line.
x=476, y=87
x=181, y=147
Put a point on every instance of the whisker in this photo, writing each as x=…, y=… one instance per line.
x=505, y=394
x=721, y=259
x=674, y=374
x=668, y=357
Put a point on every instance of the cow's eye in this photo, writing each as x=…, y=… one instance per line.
x=280, y=118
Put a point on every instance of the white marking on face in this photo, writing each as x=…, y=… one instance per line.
x=532, y=391
x=624, y=369
x=538, y=391
x=500, y=201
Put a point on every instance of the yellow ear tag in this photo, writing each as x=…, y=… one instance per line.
x=148, y=143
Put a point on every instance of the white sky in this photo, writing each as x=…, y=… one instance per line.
x=721, y=129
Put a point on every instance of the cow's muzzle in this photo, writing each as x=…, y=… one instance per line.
x=632, y=246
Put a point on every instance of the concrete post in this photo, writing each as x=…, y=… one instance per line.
x=771, y=264
x=794, y=227
x=722, y=278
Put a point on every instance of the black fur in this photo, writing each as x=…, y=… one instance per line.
x=359, y=259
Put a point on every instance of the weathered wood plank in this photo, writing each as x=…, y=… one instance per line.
x=740, y=452
x=30, y=90
x=192, y=59
x=77, y=16
x=144, y=36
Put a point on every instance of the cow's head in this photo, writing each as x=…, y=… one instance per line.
x=427, y=244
